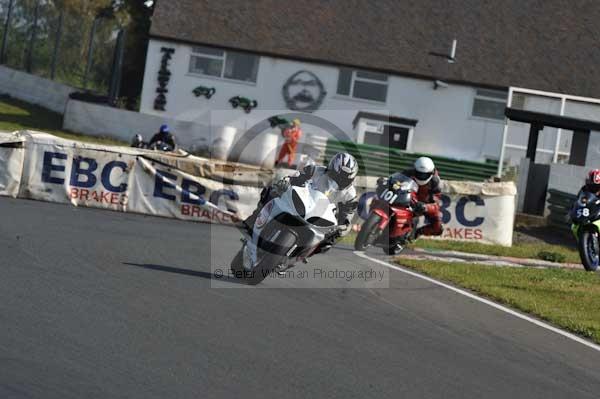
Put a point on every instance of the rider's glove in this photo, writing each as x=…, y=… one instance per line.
x=345, y=208
x=420, y=208
x=344, y=229
x=332, y=238
x=382, y=181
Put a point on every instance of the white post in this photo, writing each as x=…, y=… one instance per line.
x=504, y=134
x=409, y=141
x=558, y=132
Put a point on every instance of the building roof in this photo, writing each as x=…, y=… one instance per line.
x=538, y=44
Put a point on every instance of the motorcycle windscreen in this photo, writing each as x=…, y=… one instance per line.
x=320, y=202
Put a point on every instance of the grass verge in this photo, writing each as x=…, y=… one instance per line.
x=566, y=298
x=19, y=115
x=538, y=250
x=528, y=250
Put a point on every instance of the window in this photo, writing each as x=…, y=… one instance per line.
x=489, y=104
x=362, y=84
x=224, y=64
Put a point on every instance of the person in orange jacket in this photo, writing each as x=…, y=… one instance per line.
x=292, y=135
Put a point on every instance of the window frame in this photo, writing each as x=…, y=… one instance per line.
x=477, y=96
x=354, y=78
x=222, y=58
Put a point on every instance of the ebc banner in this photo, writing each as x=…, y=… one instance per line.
x=469, y=216
x=82, y=177
x=159, y=189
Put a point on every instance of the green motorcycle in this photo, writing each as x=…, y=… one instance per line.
x=585, y=216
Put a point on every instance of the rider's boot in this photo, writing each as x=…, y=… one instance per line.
x=420, y=231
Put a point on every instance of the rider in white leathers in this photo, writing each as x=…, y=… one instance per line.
x=342, y=170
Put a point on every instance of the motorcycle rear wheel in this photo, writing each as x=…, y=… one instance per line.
x=589, y=249
x=368, y=233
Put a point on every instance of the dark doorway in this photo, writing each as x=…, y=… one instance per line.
x=537, y=185
x=579, y=147
x=392, y=137
x=395, y=136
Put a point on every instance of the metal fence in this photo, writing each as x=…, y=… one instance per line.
x=77, y=48
x=382, y=161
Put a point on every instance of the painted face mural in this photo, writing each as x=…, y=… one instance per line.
x=304, y=91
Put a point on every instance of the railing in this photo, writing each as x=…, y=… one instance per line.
x=382, y=161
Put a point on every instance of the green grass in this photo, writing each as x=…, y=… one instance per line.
x=567, y=298
x=550, y=252
x=19, y=115
x=518, y=250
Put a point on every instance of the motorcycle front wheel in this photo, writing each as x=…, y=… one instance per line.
x=368, y=233
x=237, y=264
x=274, y=254
x=589, y=249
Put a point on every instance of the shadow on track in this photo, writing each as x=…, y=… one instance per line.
x=187, y=272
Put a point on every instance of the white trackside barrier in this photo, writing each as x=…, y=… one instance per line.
x=44, y=167
x=471, y=211
x=11, y=164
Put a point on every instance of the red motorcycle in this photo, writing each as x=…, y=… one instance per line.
x=391, y=222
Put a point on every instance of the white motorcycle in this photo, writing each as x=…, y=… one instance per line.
x=289, y=229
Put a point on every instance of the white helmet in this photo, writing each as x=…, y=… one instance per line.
x=342, y=169
x=424, y=169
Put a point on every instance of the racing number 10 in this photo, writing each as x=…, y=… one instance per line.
x=389, y=196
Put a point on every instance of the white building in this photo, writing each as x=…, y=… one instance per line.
x=390, y=58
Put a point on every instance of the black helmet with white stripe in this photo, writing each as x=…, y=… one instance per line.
x=342, y=169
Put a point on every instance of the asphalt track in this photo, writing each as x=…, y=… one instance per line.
x=97, y=304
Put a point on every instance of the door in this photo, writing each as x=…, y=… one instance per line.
x=395, y=137
x=537, y=187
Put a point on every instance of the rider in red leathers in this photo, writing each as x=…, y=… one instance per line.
x=428, y=196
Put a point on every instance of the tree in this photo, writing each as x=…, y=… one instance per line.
x=136, y=46
x=132, y=15
x=72, y=21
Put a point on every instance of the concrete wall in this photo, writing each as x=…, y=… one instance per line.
x=593, y=154
x=104, y=121
x=445, y=125
x=34, y=89
x=567, y=178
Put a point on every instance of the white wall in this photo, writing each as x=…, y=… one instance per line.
x=101, y=120
x=34, y=89
x=445, y=124
x=104, y=121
